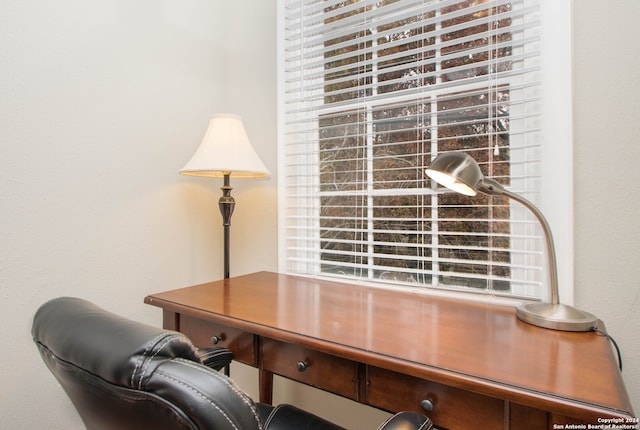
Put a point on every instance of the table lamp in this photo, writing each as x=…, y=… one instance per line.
x=459, y=172
x=226, y=152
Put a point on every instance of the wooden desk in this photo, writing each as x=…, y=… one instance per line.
x=474, y=362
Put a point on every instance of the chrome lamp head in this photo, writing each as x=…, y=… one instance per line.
x=459, y=172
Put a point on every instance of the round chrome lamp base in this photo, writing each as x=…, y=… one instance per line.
x=556, y=317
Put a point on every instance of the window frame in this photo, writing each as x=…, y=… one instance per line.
x=556, y=198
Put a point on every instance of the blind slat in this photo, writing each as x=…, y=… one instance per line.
x=316, y=50
x=367, y=267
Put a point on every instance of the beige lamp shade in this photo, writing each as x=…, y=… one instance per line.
x=226, y=149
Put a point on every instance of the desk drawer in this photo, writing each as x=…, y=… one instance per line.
x=452, y=408
x=320, y=370
x=201, y=332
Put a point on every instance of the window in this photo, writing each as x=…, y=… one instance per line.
x=372, y=91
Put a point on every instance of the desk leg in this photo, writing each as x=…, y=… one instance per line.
x=170, y=320
x=265, y=382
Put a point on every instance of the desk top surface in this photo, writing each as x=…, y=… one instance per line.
x=473, y=345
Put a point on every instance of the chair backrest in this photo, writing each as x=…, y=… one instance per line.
x=121, y=374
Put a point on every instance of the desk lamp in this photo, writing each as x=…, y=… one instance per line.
x=460, y=172
x=226, y=152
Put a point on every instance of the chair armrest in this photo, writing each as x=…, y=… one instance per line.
x=407, y=421
x=287, y=417
x=215, y=357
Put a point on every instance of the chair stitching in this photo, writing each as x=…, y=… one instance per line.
x=426, y=425
x=200, y=394
x=157, y=350
x=385, y=423
x=141, y=359
x=245, y=398
x=271, y=415
x=225, y=380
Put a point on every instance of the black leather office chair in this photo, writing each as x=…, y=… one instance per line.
x=121, y=374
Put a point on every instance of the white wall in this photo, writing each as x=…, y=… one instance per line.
x=607, y=150
x=102, y=102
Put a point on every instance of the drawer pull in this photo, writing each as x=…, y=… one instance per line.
x=216, y=339
x=302, y=366
x=427, y=405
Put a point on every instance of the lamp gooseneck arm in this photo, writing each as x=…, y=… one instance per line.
x=551, y=250
x=491, y=187
x=551, y=315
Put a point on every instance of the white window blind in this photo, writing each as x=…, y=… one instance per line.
x=372, y=91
